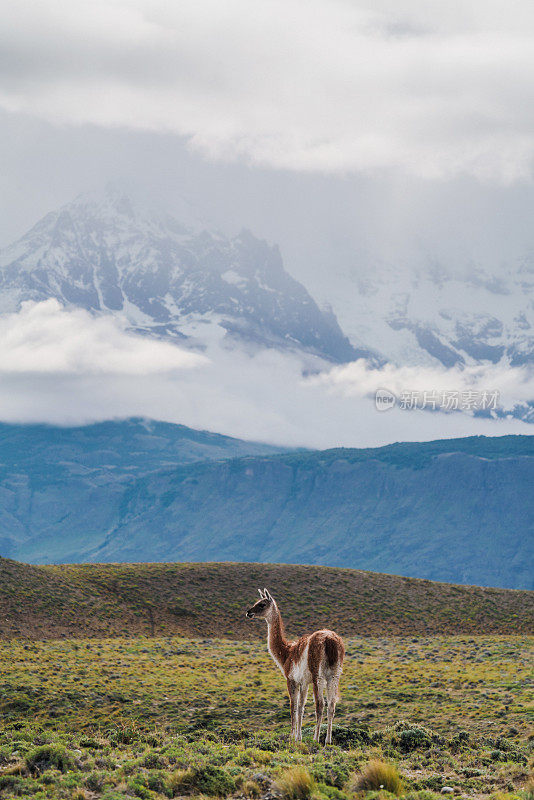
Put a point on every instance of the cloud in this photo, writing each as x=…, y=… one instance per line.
x=437, y=90
x=44, y=338
x=68, y=367
x=515, y=385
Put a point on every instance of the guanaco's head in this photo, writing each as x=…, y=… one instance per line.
x=263, y=608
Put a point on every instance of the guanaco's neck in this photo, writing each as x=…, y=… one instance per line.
x=276, y=640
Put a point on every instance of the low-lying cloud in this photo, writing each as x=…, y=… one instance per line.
x=45, y=338
x=514, y=385
x=69, y=367
x=327, y=85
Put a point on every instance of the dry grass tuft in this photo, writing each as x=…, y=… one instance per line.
x=295, y=784
x=79, y=794
x=179, y=781
x=251, y=789
x=15, y=769
x=379, y=775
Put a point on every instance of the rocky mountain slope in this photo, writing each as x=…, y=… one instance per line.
x=463, y=512
x=453, y=510
x=62, y=486
x=178, y=278
x=436, y=315
x=106, y=253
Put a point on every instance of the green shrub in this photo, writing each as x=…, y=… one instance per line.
x=351, y=735
x=20, y=745
x=95, y=781
x=48, y=756
x=138, y=788
x=154, y=760
x=253, y=755
x=459, y=742
x=156, y=782
x=127, y=733
x=331, y=774
x=91, y=743
x=213, y=780
x=264, y=741
x=379, y=775
x=203, y=780
x=234, y=734
x=434, y=783
x=413, y=739
x=330, y=792
x=13, y=786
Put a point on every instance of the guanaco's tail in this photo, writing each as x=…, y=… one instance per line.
x=333, y=651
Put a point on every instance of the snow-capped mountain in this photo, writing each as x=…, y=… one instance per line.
x=178, y=278
x=431, y=315
x=105, y=253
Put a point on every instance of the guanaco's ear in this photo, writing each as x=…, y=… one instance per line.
x=267, y=595
x=261, y=594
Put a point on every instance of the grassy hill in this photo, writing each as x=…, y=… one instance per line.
x=210, y=600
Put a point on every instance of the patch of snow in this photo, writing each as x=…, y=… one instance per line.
x=234, y=279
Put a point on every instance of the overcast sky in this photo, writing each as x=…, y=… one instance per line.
x=436, y=89
x=348, y=132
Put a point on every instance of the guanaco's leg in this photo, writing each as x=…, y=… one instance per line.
x=319, y=706
x=303, y=696
x=331, y=697
x=293, y=690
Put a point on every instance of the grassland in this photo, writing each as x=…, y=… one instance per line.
x=172, y=717
x=125, y=681
x=205, y=600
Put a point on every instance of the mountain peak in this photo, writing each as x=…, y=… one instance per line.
x=169, y=277
x=111, y=201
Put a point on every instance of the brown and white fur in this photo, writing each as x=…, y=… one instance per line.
x=316, y=658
